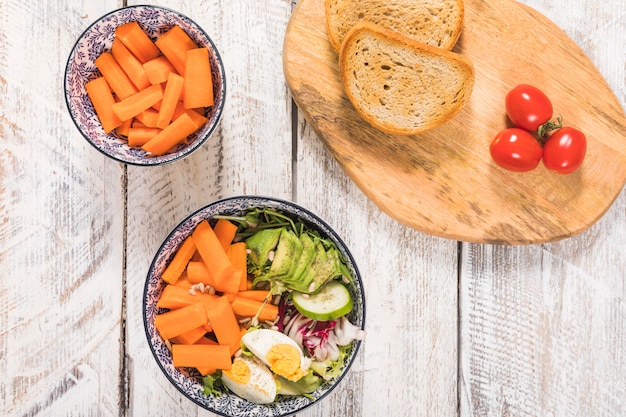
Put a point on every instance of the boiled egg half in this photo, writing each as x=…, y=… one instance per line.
x=278, y=351
x=251, y=380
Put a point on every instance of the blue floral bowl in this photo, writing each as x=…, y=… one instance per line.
x=189, y=381
x=81, y=68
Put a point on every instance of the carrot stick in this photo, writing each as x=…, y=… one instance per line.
x=226, y=277
x=178, y=264
x=173, y=134
x=171, y=97
x=238, y=257
x=197, y=118
x=119, y=82
x=179, y=321
x=224, y=323
x=131, y=65
x=174, y=44
x=258, y=295
x=100, y=95
x=201, y=356
x=246, y=307
x=225, y=231
x=142, y=100
x=137, y=42
x=158, y=69
x=175, y=297
x=198, y=90
x=190, y=337
x=124, y=127
x=139, y=136
x=148, y=117
x=198, y=272
x=183, y=281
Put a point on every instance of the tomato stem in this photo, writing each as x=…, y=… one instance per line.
x=543, y=129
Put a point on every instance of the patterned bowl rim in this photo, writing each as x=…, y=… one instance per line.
x=168, y=158
x=247, y=202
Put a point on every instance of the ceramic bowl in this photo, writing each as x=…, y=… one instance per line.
x=81, y=68
x=188, y=381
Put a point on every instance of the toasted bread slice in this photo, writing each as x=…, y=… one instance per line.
x=401, y=86
x=433, y=22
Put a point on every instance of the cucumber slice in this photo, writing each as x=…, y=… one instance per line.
x=332, y=301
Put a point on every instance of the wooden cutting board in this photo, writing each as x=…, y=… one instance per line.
x=443, y=182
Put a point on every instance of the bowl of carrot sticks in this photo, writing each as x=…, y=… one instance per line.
x=145, y=85
x=254, y=306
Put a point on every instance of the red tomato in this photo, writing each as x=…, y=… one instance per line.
x=528, y=107
x=565, y=150
x=516, y=150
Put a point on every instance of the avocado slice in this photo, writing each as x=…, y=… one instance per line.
x=286, y=256
x=261, y=244
x=295, y=279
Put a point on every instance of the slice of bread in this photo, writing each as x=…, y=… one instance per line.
x=401, y=86
x=433, y=22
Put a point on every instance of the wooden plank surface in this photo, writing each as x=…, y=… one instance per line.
x=249, y=154
x=454, y=329
x=443, y=181
x=61, y=228
x=543, y=329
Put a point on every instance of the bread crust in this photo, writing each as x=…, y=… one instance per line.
x=433, y=22
x=385, y=99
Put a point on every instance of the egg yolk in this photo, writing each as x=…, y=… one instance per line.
x=284, y=360
x=239, y=372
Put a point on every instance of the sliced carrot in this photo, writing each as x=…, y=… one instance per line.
x=158, y=69
x=225, y=231
x=175, y=133
x=119, y=82
x=190, y=337
x=246, y=307
x=258, y=295
x=178, y=264
x=175, y=297
x=149, y=117
x=210, y=249
x=238, y=257
x=174, y=44
x=137, y=42
x=142, y=100
x=181, y=320
x=198, y=272
x=197, y=118
x=124, y=127
x=139, y=136
x=131, y=65
x=171, y=96
x=224, y=323
x=183, y=281
x=201, y=356
x=198, y=90
x=102, y=99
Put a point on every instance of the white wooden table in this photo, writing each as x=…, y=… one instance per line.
x=454, y=329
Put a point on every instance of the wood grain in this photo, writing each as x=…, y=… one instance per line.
x=542, y=326
x=443, y=182
x=250, y=153
x=408, y=363
x=61, y=233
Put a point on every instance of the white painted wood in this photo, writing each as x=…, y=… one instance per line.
x=250, y=153
x=61, y=228
x=543, y=330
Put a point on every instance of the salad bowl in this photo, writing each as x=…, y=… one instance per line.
x=81, y=68
x=188, y=380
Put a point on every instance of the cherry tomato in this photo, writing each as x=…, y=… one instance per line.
x=528, y=107
x=565, y=150
x=516, y=150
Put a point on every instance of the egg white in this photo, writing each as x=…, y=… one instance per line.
x=260, y=388
x=260, y=341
